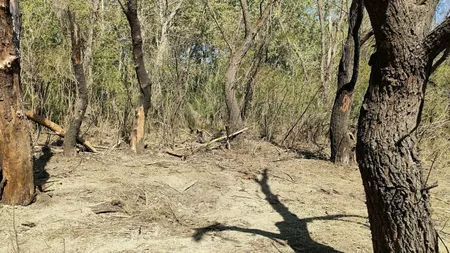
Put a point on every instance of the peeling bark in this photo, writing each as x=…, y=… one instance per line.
x=16, y=168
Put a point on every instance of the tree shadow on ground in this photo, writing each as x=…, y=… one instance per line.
x=40, y=174
x=293, y=230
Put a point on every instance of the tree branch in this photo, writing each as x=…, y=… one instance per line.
x=213, y=14
x=438, y=40
x=441, y=60
x=246, y=15
x=366, y=38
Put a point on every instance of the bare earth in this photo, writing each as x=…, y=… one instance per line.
x=257, y=199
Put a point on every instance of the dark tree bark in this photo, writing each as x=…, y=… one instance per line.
x=340, y=137
x=137, y=134
x=16, y=168
x=81, y=103
x=235, y=120
x=396, y=191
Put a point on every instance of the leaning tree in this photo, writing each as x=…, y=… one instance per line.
x=16, y=168
x=397, y=193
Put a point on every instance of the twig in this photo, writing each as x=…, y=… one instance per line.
x=431, y=167
x=440, y=238
x=172, y=153
x=427, y=188
x=189, y=186
x=301, y=116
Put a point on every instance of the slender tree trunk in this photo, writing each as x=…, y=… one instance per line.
x=235, y=120
x=90, y=43
x=137, y=134
x=16, y=168
x=73, y=131
x=340, y=137
x=396, y=191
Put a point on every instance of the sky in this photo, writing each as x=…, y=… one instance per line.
x=442, y=11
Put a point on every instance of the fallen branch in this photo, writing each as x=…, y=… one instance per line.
x=226, y=137
x=205, y=145
x=57, y=129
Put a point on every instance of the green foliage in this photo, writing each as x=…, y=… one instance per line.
x=187, y=85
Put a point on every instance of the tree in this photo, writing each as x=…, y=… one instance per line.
x=16, y=175
x=340, y=137
x=396, y=191
x=137, y=135
x=235, y=121
x=73, y=131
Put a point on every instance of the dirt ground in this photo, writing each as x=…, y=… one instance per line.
x=258, y=199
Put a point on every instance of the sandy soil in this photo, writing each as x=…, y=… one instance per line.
x=257, y=199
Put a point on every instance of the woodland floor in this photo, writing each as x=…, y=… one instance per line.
x=257, y=199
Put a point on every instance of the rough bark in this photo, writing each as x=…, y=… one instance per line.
x=396, y=191
x=137, y=134
x=81, y=103
x=235, y=121
x=16, y=168
x=340, y=136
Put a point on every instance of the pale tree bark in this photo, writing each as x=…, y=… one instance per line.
x=16, y=167
x=137, y=134
x=329, y=37
x=81, y=103
x=166, y=17
x=235, y=122
x=90, y=42
x=398, y=198
x=340, y=138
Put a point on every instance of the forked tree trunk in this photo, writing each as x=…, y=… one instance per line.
x=137, y=134
x=81, y=103
x=16, y=168
x=340, y=137
x=235, y=120
x=396, y=191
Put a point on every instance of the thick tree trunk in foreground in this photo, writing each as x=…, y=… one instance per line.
x=396, y=191
x=81, y=103
x=137, y=134
x=16, y=175
x=340, y=137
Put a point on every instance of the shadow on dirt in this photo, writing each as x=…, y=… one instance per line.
x=292, y=229
x=40, y=175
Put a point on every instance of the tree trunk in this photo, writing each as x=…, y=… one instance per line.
x=16, y=168
x=137, y=134
x=235, y=121
x=340, y=137
x=397, y=194
x=73, y=131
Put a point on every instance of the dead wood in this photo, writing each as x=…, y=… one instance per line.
x=205, y=146
x=114, y=206
x=57, y=129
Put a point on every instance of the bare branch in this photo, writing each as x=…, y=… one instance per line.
x=441, y=60
x=366, y=38
x=438, y=40
x=213, y=14
x=246, y=15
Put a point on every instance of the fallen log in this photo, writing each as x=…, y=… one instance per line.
x=57, y=129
